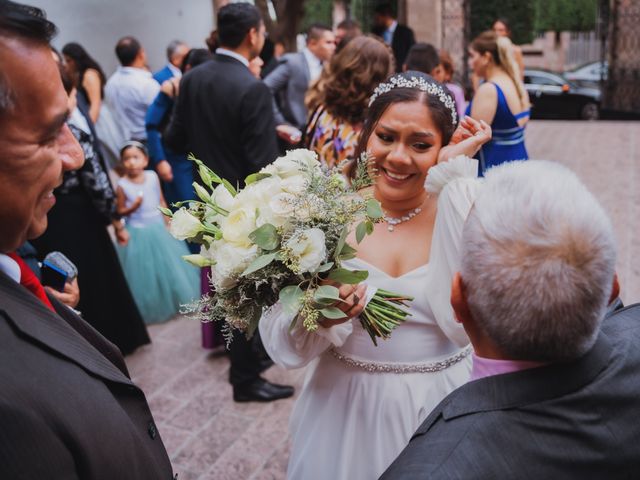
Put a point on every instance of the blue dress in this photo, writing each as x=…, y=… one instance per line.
x=160, y=280
x=507, y=142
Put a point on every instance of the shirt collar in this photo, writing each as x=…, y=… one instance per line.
x=134, y=71
x=232, y=54
x=10, y=267
x=175, y=70
x=311, y=58
x=487, y=367
x=392, y=27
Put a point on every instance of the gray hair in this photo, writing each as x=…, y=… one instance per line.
x=538, y=260
x=173, y=47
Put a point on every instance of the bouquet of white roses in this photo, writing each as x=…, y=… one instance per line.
x=282, y=238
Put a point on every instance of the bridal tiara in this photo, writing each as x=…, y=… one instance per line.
x=421, y=84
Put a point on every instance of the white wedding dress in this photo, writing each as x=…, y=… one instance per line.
x=351, y=421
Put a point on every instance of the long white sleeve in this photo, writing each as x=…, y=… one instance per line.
x=457, y=185
x=295, y=348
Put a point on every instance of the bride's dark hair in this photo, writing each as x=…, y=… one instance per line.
x=440, y=114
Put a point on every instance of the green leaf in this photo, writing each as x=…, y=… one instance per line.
x=259, y=263
x=332, y=313
x=348, y=252
x=350, y=277
x=324, y=267
x=361, y=231
x=369, y=225
x=166, y=211
x=291, y=299
x=256, y=177
x=341, y=242
x=203, y=172
x=266, y=237
x=374, y=210
x=326, y=292
x=229, y=187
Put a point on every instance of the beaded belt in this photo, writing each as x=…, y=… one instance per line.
x=379, y=367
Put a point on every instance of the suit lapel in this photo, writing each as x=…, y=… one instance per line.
x=518, y=389
x=305, y=67
x=40, y=324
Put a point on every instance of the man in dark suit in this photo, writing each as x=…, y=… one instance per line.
x=399, y=37
x=68, y=409
x=224, y=116
x=554, y=389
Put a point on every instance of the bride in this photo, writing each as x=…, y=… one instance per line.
x=360, y=404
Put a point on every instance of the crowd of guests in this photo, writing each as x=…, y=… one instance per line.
x=513, y=333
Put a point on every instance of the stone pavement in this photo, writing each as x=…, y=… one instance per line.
x=208, y=436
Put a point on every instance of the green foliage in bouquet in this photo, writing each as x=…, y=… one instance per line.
x=283, y=238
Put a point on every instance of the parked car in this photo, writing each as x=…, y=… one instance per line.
x=552, y=95
x=588, y=74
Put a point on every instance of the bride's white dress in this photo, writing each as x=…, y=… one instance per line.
x=351, y=421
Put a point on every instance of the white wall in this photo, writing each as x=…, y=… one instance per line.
x=98, y=24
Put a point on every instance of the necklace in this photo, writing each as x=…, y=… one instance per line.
x=393, y=221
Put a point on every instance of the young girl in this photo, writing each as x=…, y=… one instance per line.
x=152, y=261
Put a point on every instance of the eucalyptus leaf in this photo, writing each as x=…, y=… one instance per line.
x=291, y=299
x=348, y=252
x=324, y=267
x=350, y=277
x=374, y=210
x=256, y=177
x=361, y=231
x=266, y=237
x=326, y=291
x=341, y=242
x=260, y=262
x=332, y=313
x=369, y=225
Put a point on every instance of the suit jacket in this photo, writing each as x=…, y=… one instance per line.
x=163, y=74
x=572, y=420
x=224, y=115
x=68, y=409
x=403, y=39
x=289, y=83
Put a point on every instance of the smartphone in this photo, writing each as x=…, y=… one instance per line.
x=53, y=276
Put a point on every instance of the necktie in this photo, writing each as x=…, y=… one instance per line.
x=29, y=280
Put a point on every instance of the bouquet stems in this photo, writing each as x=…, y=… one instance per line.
x=384, y=313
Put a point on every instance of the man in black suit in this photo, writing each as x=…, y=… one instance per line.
x=554, y=389
x=68, y=408
x=400, y=37
x=224, y=116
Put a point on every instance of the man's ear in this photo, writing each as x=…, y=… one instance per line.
x=459, y=300
x=615, y=288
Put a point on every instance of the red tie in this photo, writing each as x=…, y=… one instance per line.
x=29, y=280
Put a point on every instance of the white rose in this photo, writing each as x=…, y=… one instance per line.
x=312, y=207
x=231, y=260
x=258, y=194
x=237, y=226
x=278, y=211
x=292, y=163
x=223, y=198
x=309, y=249
x=296, y=184
x=184, y=225
x=304, y=156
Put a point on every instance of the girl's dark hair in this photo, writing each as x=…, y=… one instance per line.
x=506, y=24
x=440, y=114
x=83, y=62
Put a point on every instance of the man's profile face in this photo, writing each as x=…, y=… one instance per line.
x=325, y=46
x=36, y=145
x=257, y=37
x=178, y=56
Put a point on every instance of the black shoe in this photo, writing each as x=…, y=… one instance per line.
x=260, y=390
x=265, y=364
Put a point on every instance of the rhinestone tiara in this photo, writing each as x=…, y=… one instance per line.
x=421, y=84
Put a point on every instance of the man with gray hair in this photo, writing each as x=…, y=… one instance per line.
x=554, y=389
x=176, y=51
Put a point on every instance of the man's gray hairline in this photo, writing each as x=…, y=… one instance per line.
x=173, y=47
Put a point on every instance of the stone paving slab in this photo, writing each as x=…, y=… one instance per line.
x=208, y=436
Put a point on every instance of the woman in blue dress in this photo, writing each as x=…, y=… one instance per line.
x=501, y=100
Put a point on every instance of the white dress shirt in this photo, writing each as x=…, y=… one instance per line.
x=129, y=92
x=232, y=54
x=10, y=267
x=175, y=70
x=315, y=65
